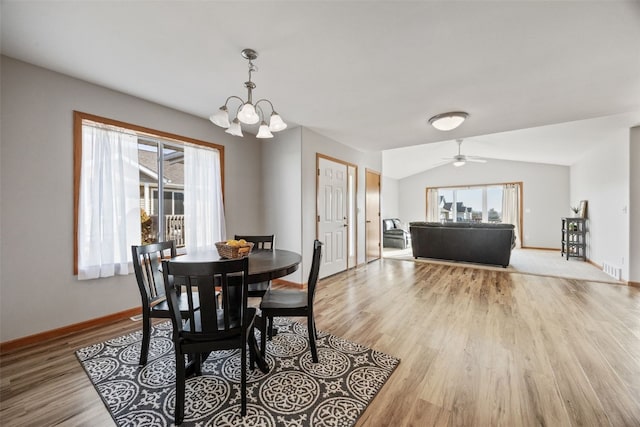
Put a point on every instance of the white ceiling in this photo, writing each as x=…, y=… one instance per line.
x=366, y=73
x=560, y=144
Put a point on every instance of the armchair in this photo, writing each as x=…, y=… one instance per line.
x=393, y=236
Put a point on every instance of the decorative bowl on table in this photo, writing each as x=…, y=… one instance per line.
x=234, y=248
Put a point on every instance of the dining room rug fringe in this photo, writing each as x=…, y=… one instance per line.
x=295, y=391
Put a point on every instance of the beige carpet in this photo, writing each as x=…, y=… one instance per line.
x=527, y=261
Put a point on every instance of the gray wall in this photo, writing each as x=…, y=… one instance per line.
x=601, y=176
x=545, y=194
x=289, y=189
x=38, y=290
x=282, y=192
x=634, y=205
x=312, y=144
x=390, y=198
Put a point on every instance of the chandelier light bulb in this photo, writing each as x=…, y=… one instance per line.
x=235, y=128
x=264, y=131
x=220, y=117
x=248, y=115
x=276, y=124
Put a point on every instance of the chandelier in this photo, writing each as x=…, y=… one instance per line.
x=248, y=112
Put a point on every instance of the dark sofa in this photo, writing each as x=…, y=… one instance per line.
x=460, y=241
x=393, y=236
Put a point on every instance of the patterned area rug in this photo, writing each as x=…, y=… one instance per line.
x=295, y=392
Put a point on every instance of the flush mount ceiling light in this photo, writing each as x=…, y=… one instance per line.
x=448, y=121
x=248, y=112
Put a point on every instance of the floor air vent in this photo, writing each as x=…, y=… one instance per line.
x=612, y=270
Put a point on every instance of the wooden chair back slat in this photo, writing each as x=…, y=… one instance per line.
x=264, y=242
x=314, y=273
x=146, y=266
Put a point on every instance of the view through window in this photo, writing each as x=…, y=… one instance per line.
x=471, y=204
x=161, y=200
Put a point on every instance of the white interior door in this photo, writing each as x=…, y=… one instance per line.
x=332, y=215
x=352, y=216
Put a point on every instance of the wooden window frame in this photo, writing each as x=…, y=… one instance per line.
x=78, y=118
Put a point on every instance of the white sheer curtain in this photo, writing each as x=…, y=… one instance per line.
x=203, y=209
x=109, y=202
x=433, y=205
x=511, y=208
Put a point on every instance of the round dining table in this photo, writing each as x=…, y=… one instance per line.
x=264, y=265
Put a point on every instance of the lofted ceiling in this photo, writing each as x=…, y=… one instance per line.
x=366, y=73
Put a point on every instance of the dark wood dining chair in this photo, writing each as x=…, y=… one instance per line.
x=213, y=326
x=146, y=264
x=264, y=243
x=293, y=303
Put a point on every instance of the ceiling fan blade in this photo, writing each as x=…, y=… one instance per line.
x=446, y=162
x=471, y=159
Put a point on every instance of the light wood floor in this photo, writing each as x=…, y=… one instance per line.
x=478, y=348
x=542, y=262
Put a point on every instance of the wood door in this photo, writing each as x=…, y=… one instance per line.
x=332, y=215
x=372, y=215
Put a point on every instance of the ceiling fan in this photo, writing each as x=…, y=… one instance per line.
x=460, y=159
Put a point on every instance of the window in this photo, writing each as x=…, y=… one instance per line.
x=495, y=203
x=482, y=203
x=130, y=187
